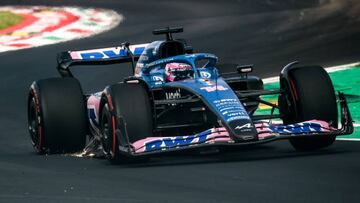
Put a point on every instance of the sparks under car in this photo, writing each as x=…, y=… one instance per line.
x=176, y=100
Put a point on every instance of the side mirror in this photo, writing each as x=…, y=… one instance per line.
x=244, y=69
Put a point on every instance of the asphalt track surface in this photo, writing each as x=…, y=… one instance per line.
x=267, y=33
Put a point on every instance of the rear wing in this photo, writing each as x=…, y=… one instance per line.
x=112, y=55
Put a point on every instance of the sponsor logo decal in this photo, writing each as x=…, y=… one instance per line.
x=205, y=74
x=112, y=53
x=107, y=53
x=173, y=95
x=247, y=125
x=214, y=88
x=161, y=61
x=158, y=79
x=297, y=128
x=210, y=136
x=231, y=109
x=173, y=142
x=207, y=82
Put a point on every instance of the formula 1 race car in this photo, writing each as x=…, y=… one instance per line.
x=176, y=100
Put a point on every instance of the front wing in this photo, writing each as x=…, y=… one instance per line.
x=218, y=137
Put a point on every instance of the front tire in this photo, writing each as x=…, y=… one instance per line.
x=124, y=106
x=309, y=94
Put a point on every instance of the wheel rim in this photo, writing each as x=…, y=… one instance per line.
x=106, y=131
x=34, y=124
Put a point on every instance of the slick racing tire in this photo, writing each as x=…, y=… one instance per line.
x=309, y=94
x=57, y=115
x=126, y=116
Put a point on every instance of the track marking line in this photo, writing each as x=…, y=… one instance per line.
x=328, y=69
x=349, y=139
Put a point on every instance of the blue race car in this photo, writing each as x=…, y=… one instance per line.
x=176, y=100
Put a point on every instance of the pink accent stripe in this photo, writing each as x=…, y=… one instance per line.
x=94, y=101
x=75, y=55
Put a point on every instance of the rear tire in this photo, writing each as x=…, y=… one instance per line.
x=57, y=116
x=309, y=95
x=130, y=102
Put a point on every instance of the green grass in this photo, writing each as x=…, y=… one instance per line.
x=8, y=19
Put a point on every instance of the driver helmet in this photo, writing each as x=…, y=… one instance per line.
x=178, y=71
